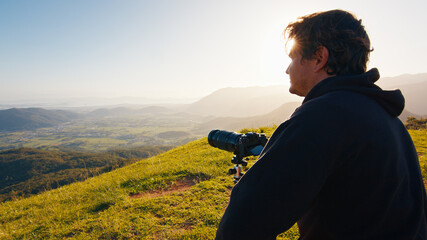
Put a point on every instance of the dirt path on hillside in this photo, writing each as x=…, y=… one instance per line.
x=180, y=185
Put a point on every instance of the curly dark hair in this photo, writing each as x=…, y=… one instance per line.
x=340, y=32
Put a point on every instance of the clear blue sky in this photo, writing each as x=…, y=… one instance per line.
x=178, y=49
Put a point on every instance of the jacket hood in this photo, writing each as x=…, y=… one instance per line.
x=392, y=101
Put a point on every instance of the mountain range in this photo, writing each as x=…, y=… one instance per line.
x=229, y=108
x=243, y=102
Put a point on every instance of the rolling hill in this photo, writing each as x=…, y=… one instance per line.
x=31, y=118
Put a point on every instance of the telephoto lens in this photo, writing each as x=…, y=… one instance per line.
x=225, y=140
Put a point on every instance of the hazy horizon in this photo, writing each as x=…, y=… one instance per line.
x=181, y=51
x=94, y=101
x=64, y=102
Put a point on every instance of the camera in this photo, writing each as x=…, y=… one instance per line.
x=242, y=145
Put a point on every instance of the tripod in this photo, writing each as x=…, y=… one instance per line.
x=237, y=170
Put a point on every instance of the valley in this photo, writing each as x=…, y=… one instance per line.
x=101, y=134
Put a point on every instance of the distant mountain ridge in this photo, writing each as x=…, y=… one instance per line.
x=274, y=117
x=414, y=89
x=32, y=118
x=242, y=102
x=415, y=97
x=398, y=81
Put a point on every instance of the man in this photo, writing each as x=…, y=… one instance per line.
x=343, y=166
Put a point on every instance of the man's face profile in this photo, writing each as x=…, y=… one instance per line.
x=299, y=71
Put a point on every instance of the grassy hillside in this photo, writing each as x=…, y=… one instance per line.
x=28, y=171
x=180, y=194
x=420, y=141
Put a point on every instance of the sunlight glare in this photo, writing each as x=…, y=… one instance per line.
x=289, y=45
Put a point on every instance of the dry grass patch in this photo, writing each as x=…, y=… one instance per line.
x=177, y=186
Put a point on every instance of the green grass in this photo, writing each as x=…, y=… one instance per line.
x=420, y=141
x=103, y=207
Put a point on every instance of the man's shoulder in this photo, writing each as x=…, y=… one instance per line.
x=338, y=102
x=343, y=110
x=322, y=106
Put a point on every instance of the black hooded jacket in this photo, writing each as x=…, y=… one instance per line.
x=343, y=166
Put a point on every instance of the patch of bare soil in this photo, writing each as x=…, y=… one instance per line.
x=180, y=185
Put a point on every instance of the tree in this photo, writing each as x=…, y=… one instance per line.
x=413, y=123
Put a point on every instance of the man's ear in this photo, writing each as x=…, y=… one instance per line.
x=322, y=56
